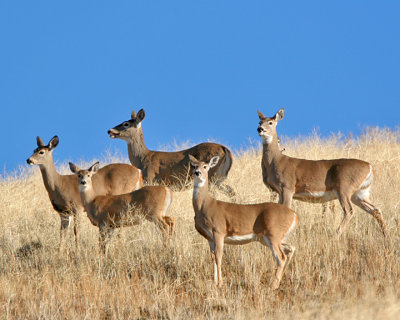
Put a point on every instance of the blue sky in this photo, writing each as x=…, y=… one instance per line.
x=200, y=69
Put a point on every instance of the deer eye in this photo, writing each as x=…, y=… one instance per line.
x=205, y=167
x=41, y=152
x=126, y=124
x=270, y=123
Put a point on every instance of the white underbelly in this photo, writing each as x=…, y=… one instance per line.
x=322, y=196
x=242, y=239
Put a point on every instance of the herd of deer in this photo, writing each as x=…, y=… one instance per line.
x=111, y=194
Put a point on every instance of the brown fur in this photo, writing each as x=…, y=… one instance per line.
x=63, y=189
x=113, y=211
x=217, y=220
x=169, y=168
x=343, y=179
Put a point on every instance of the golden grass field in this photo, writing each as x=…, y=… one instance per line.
x=356, y=277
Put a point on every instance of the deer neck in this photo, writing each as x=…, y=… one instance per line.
x=137, y=149
x=271, y=151
x=87, y=196
x=50, y=175
x=200, y=195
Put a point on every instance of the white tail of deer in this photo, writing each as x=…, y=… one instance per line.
x=63, y=189
x=223, y=222
x=348, y=180
x=170, y=168
x=110, y=212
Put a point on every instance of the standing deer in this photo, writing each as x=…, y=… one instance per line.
x=114, y=211
x=330, y=205
x=63, y=189
x=223, y=222
x=170, y=168
x=348, y=180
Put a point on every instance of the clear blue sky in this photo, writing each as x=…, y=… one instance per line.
x=201, y=69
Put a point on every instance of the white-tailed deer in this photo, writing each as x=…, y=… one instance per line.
x=63, y=189
x=348, y=180
x=223, y=222
x=330, y=205
x=114, y=211
x=170, y=168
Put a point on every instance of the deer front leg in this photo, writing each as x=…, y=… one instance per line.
x=65, y=220
x=77, y=229
x=285, y=197
x=218, y=252
x=105, y=237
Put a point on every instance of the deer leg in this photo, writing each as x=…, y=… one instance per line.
x=218, y=252
x=105, y=237
x=285, y=197
x=365, y=204
x=212, y=251
x=289, y=252
x=347, y=212
x=171, y=224
x=77, y=229
x=65, y=220
x=279, y=258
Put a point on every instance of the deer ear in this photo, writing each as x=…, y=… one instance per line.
x=53, y=143
x=94, y=167
x=260, y=115
x=279, y=115
x=140, y=115
x=214, y=161
x=40, y=142
x=133, y=114
x=74, y=168
x=193, y=160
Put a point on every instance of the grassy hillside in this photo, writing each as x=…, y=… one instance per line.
x=357, y=277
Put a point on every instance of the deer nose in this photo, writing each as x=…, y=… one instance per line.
x=260, y=129
x=83, y=182
x=29, y=161
x=197, y=173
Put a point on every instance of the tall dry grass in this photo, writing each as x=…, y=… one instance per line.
x=356, y=277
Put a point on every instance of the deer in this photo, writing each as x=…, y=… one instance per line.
x=236, y=224
x=63, y=189
x=326, y=206
x=170, y=168
x=348, y=180
x=108, y=212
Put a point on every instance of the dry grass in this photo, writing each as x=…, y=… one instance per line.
x=356, y=277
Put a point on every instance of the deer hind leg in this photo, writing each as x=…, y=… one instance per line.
x=344, y=200
x=65, y=221
x=171, y=224
x=362, y=200
x=288, y=251
x=280, y=258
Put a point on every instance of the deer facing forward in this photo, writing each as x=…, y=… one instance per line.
x=223, y=222
x=63, y=189
x=114, y=211
x=348, y=180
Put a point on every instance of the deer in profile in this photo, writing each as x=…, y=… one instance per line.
x=348, y=180
x=63, y=189
x=223, y=222
x=108, y=212
x=170, y=168
x=326, y=206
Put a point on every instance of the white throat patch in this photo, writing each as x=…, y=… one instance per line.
x=83, y=187
x=266, y=138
